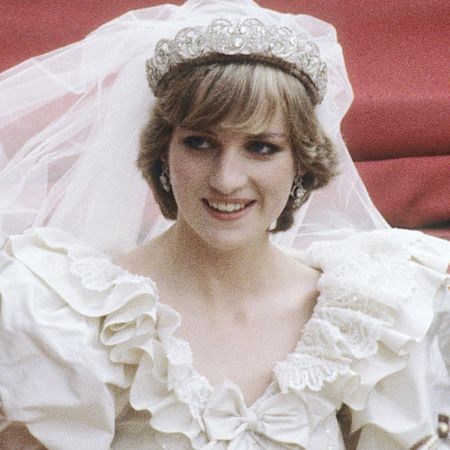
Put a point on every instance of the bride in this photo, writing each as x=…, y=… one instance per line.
x=270, y=308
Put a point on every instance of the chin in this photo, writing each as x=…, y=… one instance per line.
x=231, y=240
x=223, y=236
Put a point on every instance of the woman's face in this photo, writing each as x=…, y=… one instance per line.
x=230, y=186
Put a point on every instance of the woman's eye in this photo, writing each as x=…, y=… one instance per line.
x=197, y=142
x=263, y=148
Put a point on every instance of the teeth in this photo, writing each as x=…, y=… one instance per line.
x=227, y=207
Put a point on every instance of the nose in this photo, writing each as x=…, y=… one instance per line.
x=228, y=173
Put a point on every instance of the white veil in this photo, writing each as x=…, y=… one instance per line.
x=70, y=123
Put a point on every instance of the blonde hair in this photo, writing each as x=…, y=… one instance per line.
x=240, y=95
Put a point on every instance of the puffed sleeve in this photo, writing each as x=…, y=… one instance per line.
x=402, y=408
x=55, y=375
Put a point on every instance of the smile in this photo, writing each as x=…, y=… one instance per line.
x=230, y=209
x=226, y=207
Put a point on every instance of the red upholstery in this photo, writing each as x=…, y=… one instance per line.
x=397, y=129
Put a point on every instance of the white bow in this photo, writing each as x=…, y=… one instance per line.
x=282, y=417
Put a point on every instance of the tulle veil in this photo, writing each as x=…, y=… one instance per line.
x=70, y=122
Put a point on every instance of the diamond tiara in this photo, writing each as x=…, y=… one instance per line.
x=247, y=40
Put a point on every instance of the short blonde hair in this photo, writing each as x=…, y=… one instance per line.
x=240, y=96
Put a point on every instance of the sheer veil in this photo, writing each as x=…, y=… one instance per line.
x=70, y=122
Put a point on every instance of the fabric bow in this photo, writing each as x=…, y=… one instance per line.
x=281, y=417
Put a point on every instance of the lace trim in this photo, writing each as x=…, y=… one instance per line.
x=299, y=371
x=98, y=273
x=344, y=324
x=360, y=292
x=190, y=387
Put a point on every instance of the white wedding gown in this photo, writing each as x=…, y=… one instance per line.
x=89, y=359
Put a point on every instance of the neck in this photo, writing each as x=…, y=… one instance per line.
x=217, y=274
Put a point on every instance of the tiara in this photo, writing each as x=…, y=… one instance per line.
x=250, y=39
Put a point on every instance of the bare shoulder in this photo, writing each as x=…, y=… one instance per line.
x=296, y=270
x=298, y=278
x=148, y=259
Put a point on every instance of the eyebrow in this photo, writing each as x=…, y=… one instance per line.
x=268, y=135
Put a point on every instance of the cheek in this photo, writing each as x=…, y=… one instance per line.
x=280, y=177
x=277, y=184
x=280, y=193
x=182, y=170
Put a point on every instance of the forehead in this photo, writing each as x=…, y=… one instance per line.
x=249, y=98
x=252, y=114
x=266, y=120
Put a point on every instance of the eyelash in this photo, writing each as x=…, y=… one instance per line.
x=195, y=143
x=271, y=148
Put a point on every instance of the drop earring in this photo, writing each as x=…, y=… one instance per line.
x=164, y=177
x=297, y=191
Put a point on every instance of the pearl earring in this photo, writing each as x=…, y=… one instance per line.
x=164, y=177
x=297, y=191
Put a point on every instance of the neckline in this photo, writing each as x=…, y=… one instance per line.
x=185, y=343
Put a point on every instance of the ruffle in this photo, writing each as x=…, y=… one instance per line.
x=374, y=303
x=174, y=394
x=99, y=299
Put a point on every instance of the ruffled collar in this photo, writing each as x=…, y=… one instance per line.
x=363, y=288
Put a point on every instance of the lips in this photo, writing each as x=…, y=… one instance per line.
x=228, y=207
